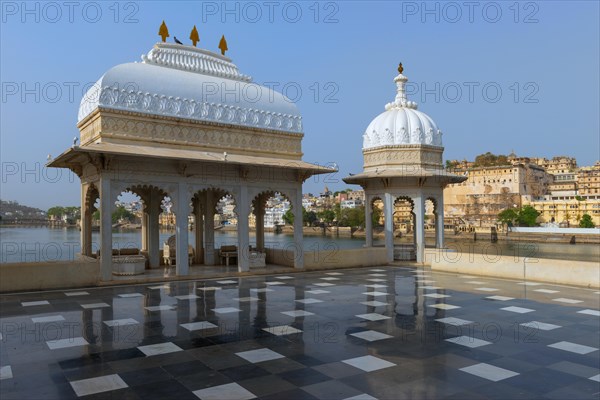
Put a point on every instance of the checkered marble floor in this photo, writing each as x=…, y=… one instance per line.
x=370, y=333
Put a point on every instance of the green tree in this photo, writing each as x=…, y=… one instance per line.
x=527, y=216
x=326, y=215
x=376, y=216
x=509, y=216
x=288, y=217
x=122, y=214
x=309, y=217
x=586, y=221
x=56, y=211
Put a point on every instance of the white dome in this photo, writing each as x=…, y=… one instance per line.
x=183, y=81
x=401, y=124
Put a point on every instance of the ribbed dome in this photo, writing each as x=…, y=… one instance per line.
x=401, y=124
x=182, y=81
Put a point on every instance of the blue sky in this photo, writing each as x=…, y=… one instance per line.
x=495, y=76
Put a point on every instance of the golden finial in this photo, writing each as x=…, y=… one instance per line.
x=400, y=68
x=194, y=37
x=163, y=31
x=223, y=45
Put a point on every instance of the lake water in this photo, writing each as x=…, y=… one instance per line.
x=27, y=244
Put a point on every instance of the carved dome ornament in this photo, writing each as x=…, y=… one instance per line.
x=401, y=123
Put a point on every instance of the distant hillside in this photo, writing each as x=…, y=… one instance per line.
x=11, y=210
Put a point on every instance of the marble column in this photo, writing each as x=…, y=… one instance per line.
x=106, y=208
x=439, y=223
x=298, y=230
x=369, y=223
x=209, y=228
x=86, y=222
x=419, y=227
x=153, y=235
x=199, y=230
x=243, y=209
x=181, y=230
x=388, y=204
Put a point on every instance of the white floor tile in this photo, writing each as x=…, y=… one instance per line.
x=81, y=293
x=370, y=336
x=51, y=318
x=467, y=277
x=375, y=294
x=297, y=313
x=436, y=295
x=476, y=282
x=6, y=372
x=541, y=325
x=187, y=297
x=229, y=391
x=377, y=270
x=519, y=310
x=210, y=288
x=487, y=289
x=330, y=278
x=589, y=312
x=64, y=343
x=274, y=283
x=431, y=287
x=246, y=299
x=373, y=316
x=334, y=273
x=573, y=347
x=261, y=290
x=34, y=303
x=159, y=308
x=500, y=298
x=121, y=322
x=100, y=384
x=309, y=301
x=159, y=287
x=95, y=305
x=443, y=306
x=323, y=284
x=376, y=285
x=127, y=295
x=374, y=303
x=317, y=291
x=159, y=348
x=227, y=282
x=545, y=291
x=226, y=310
x=568, y=301
x=196, y=326
x=368, y=363
x=529, y=283
x=454, y=321
x=425, y=281
x=362, y=396
x=284, y=277
x=377, y=280
x=259, y=355
x=282, y=330
x=595, y=378
x=489, y=372
x=468, y=341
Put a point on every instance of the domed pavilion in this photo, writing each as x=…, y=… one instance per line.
x=187, y=124
x=402, y=153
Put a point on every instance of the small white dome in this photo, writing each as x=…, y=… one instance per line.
x=401, y=124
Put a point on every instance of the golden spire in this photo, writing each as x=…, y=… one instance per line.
x=223, y=45
x=194, y=37
x=163, y=31
x=400, y=68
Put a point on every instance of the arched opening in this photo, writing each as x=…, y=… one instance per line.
x=90, y=219
x=430, y=219
x=404, y=228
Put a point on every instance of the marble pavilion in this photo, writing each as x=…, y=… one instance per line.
x=187, y=124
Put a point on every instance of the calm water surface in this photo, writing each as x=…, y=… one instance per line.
x=26, y=244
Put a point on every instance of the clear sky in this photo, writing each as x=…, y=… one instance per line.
x=495, y=76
